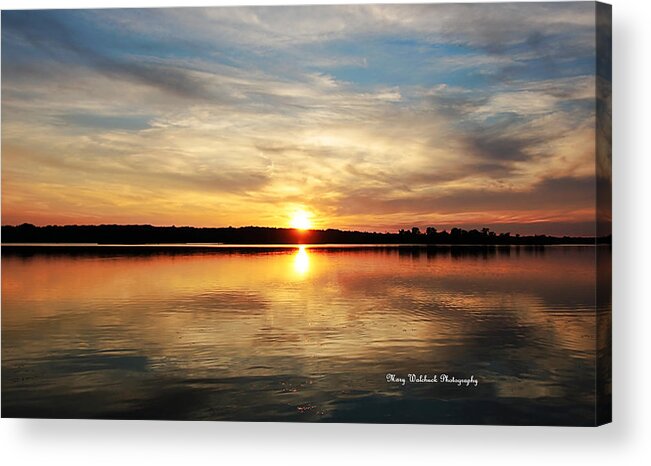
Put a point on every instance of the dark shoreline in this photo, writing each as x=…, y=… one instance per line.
x=261, y=236
x=414, y=251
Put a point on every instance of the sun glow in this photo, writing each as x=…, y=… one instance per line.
x=301, y=220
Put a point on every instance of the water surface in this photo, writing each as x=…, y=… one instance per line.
x=300, y=334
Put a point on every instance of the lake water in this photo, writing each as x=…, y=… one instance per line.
x=302, y=334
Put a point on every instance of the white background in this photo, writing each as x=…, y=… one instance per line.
x=628, y=439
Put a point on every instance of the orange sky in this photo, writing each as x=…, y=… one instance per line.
x=363, y=117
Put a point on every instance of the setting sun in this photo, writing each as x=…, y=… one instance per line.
x=301, y=220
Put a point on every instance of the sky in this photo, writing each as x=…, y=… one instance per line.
x=365, y=117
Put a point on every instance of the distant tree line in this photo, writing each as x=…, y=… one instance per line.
x=148, y=234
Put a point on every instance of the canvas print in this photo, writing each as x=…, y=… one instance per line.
x=353, y=213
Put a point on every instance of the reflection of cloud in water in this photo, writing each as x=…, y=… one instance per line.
x=208, y=322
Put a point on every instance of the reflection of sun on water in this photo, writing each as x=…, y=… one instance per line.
x=301, y=261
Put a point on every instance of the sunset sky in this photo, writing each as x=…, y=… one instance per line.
x=372, y=117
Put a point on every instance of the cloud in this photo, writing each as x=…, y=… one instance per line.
x=244, y=113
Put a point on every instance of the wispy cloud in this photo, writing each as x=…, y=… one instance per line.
x=369, y=116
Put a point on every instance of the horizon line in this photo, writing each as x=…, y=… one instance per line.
x=407, y=229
